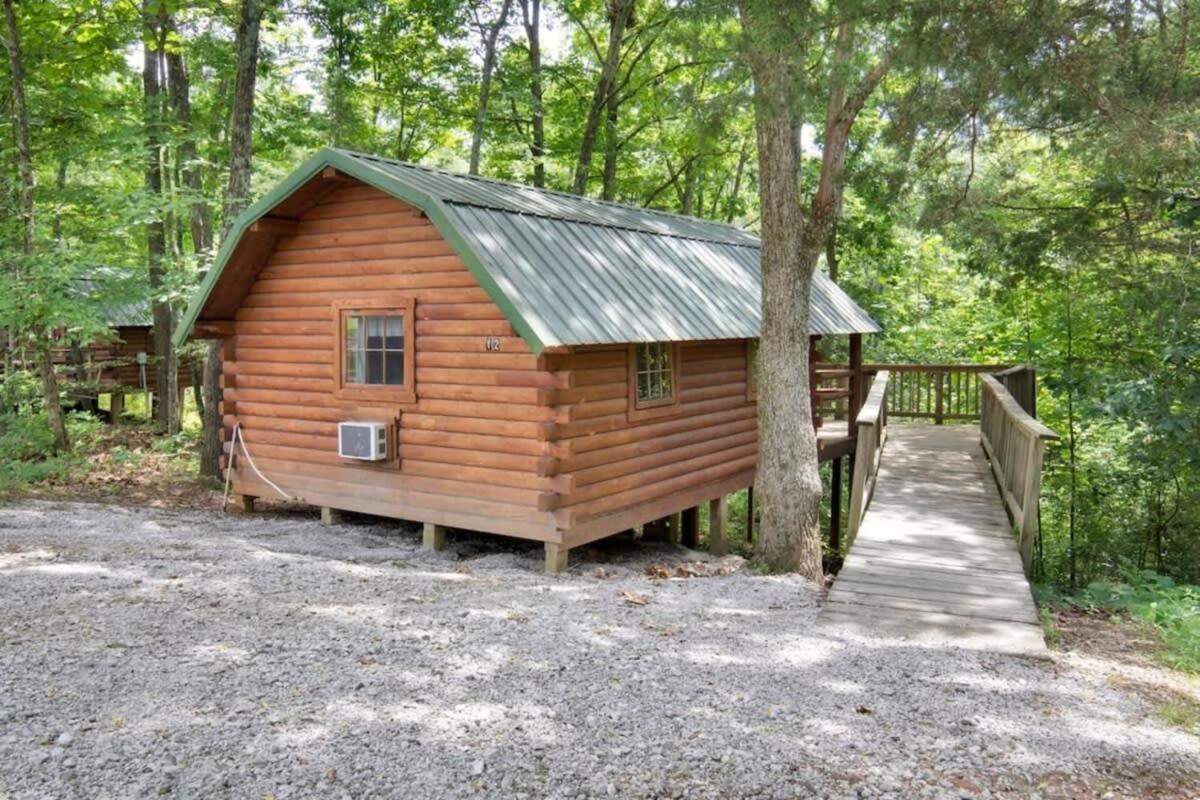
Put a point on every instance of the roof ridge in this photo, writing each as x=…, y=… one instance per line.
x=552, y=192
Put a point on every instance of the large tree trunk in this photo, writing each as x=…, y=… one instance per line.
x=490, y=34
x=237, y=194
x=190, y=168
x=788, y=485
x=241, y=138
x=156, y=234
x=619, y=14
x=531, y=11
x=45, y=361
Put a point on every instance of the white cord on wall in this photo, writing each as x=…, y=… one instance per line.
x=234, y=439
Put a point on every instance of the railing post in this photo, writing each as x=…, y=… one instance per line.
x=939, y=412
x=1029, y=503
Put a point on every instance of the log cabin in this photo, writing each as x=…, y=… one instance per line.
x=118, y=362
x=472, y=354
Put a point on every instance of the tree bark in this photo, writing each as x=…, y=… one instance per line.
x=619, y=14
x=531, y=11
x=156, y=234
x=190, y=169
x=612, y=148
x=788, y=483
x=491, y=33
x=241, y=139
x=237, y=193
x=26, y=208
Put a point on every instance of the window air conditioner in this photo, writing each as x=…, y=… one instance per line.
x=365, y=441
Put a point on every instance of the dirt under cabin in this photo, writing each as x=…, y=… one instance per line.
x=467, y=353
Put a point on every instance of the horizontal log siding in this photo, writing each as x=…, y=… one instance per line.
x=474, y=449
x=619, y=471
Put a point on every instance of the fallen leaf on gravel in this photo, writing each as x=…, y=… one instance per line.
x=465, y=569
x=864, y=710
x=517, y=616
x=599, y=572
x=635, y=599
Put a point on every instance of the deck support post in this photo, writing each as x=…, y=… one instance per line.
x=116, y=406
x=689, y=527
x=857, y=389
x=835, y=507
x=557, y=557
x=243, y=503
x=718, y=519
x=330, y=516
x=675, y=528
x=433, y=537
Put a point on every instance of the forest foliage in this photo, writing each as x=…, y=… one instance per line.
x=1012, y=193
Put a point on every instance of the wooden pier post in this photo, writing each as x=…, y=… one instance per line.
x=718, y=518
x=557, y=557
x=330, y=516
x=433, y=537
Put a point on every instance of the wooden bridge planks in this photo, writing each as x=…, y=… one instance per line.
x=935, y=562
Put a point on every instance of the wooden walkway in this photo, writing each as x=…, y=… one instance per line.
x=935, y=561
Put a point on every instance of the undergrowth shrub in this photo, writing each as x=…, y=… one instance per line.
x=1173, y=608
x=26, y=448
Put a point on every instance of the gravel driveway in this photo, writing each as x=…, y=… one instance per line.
x=148, y=653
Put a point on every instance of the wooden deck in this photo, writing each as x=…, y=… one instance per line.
x=935, y=561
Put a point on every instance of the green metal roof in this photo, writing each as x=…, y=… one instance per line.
x=570, y=270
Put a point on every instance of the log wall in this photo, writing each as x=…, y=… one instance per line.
x=623, y=473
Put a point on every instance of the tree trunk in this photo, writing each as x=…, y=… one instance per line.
x=190, y=168
x=788, y=484
x=490, y=34
x=241, y=139
x=619, y=14
x=531, y=10
x=611, y=151
x=210, y=446
x=237, y=194
x=45, y=360
x=156, y=232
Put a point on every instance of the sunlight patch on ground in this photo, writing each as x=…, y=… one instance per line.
x=23, y=558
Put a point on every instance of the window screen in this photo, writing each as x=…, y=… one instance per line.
x=374, y=350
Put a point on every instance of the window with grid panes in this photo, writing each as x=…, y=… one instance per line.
x=654, y=373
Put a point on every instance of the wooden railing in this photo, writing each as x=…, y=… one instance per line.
x=1014, y=443
x=1021, y=383
x=939, y=392
x=871, y=435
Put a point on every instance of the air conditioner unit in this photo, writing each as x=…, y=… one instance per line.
x=365, y=441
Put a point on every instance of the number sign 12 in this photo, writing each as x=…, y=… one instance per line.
x=492, y=344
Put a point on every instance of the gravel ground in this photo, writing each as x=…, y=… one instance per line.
x=152, y=653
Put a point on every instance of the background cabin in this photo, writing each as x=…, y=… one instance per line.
x=534, y=364
x=120, y=362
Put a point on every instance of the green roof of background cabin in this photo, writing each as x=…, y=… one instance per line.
x=570, y=270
